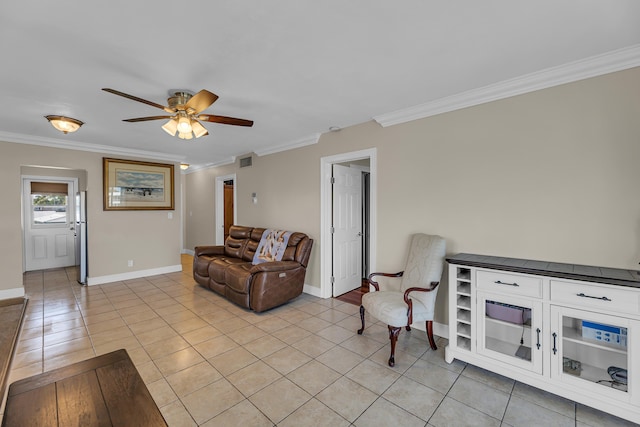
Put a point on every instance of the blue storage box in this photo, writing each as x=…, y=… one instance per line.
x=604, y=333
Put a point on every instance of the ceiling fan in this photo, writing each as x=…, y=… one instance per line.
x=185, y=109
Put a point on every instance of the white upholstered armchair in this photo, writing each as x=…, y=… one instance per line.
x=413, y=299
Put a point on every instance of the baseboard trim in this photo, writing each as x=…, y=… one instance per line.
x=312, y=290
x=11, y=293
x=100, y=280
x=439, y=329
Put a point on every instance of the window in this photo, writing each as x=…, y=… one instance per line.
x=49, y=203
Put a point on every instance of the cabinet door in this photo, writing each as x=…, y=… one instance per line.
x=510, y=330
x=592, y=351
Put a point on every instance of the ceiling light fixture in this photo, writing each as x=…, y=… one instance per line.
x=184, y=166
x=184, y=123
x=64, y=124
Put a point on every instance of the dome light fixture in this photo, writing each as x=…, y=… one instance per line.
x=64, y=124
x=184, y=166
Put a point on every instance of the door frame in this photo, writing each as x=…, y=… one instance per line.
x=220, y=205
x=326, y=199
x=23, y=207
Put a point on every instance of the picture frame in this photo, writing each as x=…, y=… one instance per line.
x=135, y=185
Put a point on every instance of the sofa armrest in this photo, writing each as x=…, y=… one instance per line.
x=208, y=250
x=274, y=266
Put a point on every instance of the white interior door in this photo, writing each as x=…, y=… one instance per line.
x=347, y=229
x=49, y=223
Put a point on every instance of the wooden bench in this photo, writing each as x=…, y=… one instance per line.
x=102, y=391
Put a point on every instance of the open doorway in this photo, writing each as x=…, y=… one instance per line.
x=348, y=218
x=226, y=202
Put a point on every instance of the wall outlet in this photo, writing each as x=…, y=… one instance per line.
x=130, y=263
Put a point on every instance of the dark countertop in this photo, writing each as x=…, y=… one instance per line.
x=587, y=273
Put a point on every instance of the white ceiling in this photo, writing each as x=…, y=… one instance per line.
x=296, y=67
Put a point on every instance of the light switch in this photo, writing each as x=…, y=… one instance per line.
x=170, y=215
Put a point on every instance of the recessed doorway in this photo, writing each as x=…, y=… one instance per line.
x=349, y=254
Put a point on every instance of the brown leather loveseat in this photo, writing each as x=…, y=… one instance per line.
x=229, y=270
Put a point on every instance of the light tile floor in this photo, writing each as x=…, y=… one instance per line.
x=209, y=362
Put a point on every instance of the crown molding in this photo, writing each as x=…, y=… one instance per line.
x=195, y=168
x=85, y=146
x=302, y=142
x=617, y=60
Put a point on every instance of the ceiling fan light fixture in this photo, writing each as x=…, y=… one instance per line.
x=184, y=124
x=185, y=135
x=64, y=124
x=171, y=127
x=198, y=129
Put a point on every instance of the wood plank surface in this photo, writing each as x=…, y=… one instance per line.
x=127, y=397
x=102, y=391
x=80, y=402
x=35, y=407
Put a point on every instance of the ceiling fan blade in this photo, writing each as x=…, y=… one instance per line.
x=201, y=101
x=146, y=119
x=225, y=120
x=135, y=98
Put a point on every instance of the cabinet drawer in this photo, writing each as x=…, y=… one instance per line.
x=511, y=283
x=614, y=299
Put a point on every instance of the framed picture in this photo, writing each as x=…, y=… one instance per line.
x=133, y=185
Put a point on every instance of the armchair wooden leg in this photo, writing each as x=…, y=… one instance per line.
x=408, y=327
x=432, y=342
x=393, y=337
x=361, y=319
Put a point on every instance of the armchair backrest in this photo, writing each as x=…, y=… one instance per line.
x=425, y=264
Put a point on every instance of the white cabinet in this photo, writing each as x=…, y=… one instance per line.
x=574, y=335
x=509, y=330
x=590, y=351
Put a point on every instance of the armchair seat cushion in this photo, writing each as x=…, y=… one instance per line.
x=390, y=308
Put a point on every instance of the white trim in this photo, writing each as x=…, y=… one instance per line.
x=439, y=329
x=11, y=293
x=195, y=168
x=594, y=66
x=86, y=146
x=326, y=212
x=99, y=280
x=219, y=208
x=312, y=290
x=302, y=142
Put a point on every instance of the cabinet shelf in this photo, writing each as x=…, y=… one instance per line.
x=464, y=315
x=464, y=288
x=464, y=343
x=464, y=274
x=464, y=330
x=599, y=376
x=464, y=301
x=572, y=335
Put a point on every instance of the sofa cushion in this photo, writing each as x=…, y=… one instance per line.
x=238, y=277
x=201, y=264
x=218, y=266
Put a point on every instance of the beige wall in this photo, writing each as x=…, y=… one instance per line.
x=550, y=175
x=148, y=237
